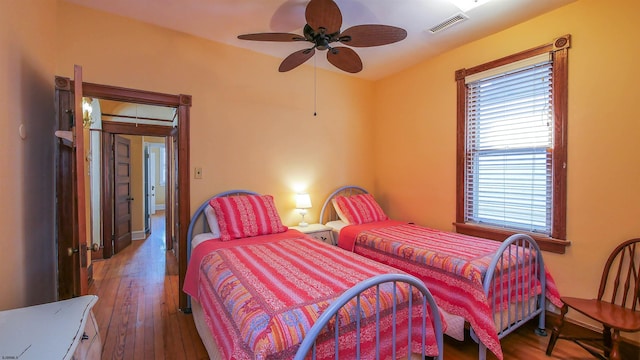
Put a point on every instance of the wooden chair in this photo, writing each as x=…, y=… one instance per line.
x=617, y=306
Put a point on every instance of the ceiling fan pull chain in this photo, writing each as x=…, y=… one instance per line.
x=315, y=87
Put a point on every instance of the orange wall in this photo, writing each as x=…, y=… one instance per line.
x=415, y=130
x=251, y=126
x=27, y=53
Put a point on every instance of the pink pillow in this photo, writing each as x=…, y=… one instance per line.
x=247, y=215
x=358, y=209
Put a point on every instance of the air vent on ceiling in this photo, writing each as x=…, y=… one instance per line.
x=455, y=19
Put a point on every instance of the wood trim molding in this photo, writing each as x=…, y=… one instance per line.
x=461, y=150
x=133, y=129
x=63, y=83
x=182, y=102
x=561, y=108
x=80, y=186
x=185, y=100
x=168, y=194
x=546, y=243
x=116, y=93
x=184, y=216
x=558, y=49
x=560, y=43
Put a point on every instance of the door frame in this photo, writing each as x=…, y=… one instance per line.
x=109, y=129
x=182, y=103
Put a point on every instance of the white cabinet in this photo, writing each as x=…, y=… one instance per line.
x=59, y=330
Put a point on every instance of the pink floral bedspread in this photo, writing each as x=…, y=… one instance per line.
x=451, y=265
x=261, y=295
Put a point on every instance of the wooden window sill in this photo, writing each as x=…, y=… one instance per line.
x=546, y=243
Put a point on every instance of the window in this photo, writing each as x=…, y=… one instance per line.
x=511, y=173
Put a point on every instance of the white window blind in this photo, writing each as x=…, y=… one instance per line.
x=508, y=180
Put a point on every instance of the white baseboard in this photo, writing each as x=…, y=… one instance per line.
x=138, y=235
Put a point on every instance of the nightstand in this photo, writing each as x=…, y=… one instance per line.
x=59, y=330
x=318, y=232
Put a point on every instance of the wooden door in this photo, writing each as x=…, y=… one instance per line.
x=106, y=195
x=175, y=233
x=147, y=191
x=71, y=190
x=122, y=189
x=169, y=192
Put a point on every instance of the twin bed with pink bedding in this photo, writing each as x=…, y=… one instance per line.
x=260, y=290
x=495, y=287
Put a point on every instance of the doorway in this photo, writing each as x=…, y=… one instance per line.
x=136, y=169
x=177, y=154
x=155, y=179
x=140, y=190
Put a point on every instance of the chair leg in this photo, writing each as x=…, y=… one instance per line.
x=606, y=337
x=556, y=330
x=615, y=343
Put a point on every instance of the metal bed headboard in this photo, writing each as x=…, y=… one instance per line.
x=199, y=225
x=328, y=213
x=198, y=221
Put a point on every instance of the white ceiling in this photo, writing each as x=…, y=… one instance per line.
x=224, y=20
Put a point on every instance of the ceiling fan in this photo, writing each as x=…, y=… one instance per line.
x=324, y=20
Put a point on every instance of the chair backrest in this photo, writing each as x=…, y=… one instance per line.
x=620, y=283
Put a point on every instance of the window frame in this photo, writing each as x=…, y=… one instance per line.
x=558, y=50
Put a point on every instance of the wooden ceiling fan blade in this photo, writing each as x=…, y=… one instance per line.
x=296, y=59
x=372, y=35
x=324, y=14
x=344, y=59
x=284, y=37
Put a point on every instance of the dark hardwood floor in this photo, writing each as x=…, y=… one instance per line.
x=138, y=317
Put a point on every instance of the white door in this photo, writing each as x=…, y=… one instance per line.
x=152, y=183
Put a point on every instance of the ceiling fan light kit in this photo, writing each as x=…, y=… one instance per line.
x=322, y=29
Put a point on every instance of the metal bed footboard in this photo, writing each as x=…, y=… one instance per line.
x=520, y=257
x=309, y=342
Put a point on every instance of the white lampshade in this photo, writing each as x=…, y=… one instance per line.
x=303, y=201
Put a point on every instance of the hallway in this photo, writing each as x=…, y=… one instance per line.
x=137, y=311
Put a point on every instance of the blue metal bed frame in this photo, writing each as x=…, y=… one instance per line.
x=515, y=245
x=309, y=342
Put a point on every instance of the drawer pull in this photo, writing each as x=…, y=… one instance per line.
x=84, y=337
